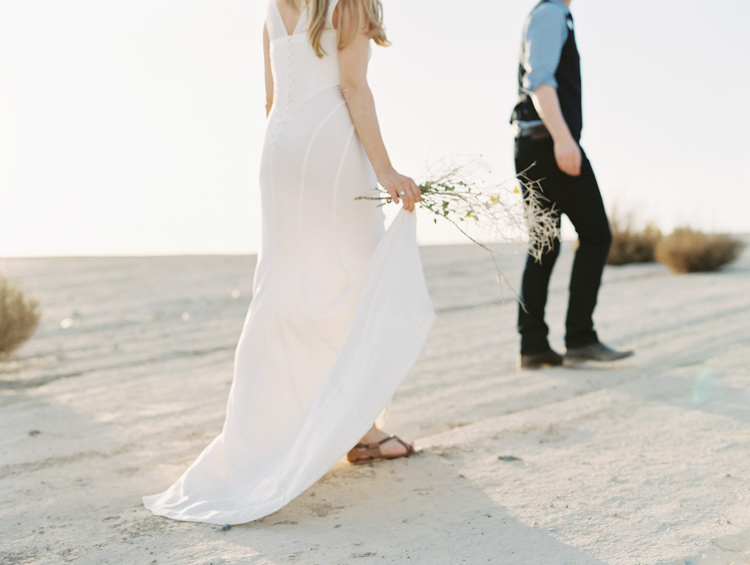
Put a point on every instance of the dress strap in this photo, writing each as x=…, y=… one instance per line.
x=274, y=23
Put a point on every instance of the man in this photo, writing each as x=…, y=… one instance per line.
x=548, y=120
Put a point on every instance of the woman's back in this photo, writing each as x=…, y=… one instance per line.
x=298, y=72
x=313, y=168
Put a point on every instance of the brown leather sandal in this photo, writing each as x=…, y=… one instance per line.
x=364, y=453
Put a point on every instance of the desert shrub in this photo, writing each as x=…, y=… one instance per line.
x=689, y=251
x=19, y=317
x=630, y=245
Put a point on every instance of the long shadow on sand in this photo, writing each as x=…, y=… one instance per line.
x=416, y=510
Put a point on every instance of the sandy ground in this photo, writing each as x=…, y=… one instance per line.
x=643, y=462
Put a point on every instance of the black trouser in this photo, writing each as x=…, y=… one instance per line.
x=580, y=199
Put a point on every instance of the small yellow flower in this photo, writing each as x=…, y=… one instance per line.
x=494, y=199
x=515, y=189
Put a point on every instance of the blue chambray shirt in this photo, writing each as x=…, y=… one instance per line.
x=544, y=36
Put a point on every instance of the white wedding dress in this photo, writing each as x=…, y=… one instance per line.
x=340, y=310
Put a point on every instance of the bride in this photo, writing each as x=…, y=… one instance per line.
x=340, y=309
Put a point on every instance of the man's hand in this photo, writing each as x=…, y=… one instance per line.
x=568, y=156
x=567, y=152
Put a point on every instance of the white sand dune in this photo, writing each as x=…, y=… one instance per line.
x=643, y=462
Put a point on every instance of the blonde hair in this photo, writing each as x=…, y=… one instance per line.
x=349, y=22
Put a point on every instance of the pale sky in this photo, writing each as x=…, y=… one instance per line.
x=135, y=127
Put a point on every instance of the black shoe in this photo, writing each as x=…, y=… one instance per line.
x=540, y=360
x=595, y=352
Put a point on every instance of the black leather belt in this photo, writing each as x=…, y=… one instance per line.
x=535, y=132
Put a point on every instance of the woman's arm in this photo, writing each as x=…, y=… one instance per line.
x=269, y=74
x=353, y=60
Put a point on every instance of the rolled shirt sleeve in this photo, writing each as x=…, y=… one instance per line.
x=545, y=35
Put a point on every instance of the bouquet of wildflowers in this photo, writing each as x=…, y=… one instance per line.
x=512, y=211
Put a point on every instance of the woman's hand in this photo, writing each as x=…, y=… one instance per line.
x=401, y=188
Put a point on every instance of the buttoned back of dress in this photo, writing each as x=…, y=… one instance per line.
x=298, y=72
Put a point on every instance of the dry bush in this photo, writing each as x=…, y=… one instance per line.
x=689, y=251
x=630, y=245
x=19, y=317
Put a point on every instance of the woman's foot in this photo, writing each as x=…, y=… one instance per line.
x=376, y=444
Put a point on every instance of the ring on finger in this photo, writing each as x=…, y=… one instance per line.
x=402, y=193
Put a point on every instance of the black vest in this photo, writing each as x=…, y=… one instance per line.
x=568, y=76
